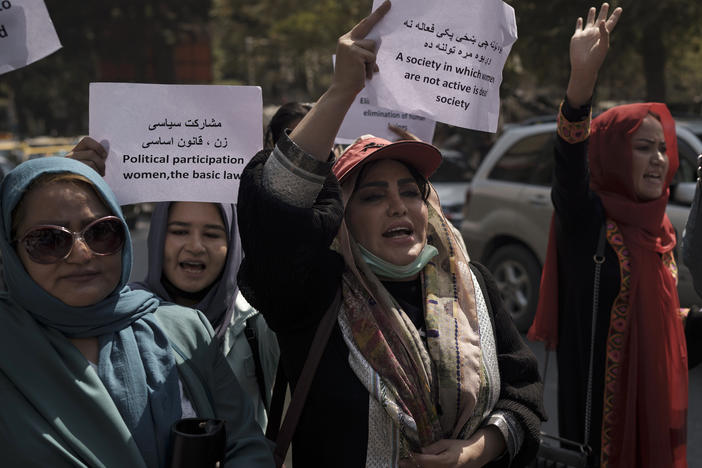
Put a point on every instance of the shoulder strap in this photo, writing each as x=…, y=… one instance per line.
x=292, y=416
x=252, y=338
x=277, y=403
x=599, y=259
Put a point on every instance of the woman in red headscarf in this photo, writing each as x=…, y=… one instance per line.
x=611, y=183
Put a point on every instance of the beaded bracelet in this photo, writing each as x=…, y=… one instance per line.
x=573, y=132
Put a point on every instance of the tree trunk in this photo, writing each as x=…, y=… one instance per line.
x=654, y=60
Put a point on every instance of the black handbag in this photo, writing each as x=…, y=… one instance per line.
x=198, y=442
x=557, y=452
x=568, y=455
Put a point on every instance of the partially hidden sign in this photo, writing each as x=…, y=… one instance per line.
x=26, y=33
x=364, y=118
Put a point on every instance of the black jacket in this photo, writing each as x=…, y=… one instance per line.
x=291, y=276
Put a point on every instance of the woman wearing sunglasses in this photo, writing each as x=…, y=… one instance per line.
x=91, y=372
x=194, y=254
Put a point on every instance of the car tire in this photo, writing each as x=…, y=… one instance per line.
x=517, y=273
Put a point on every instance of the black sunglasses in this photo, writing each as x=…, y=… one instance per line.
x=47, y=243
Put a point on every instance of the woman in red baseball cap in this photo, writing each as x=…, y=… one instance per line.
x=423, y=366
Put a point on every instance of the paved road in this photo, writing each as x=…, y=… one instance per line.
x=694, y=418
x=140, y=251
x=694, y=415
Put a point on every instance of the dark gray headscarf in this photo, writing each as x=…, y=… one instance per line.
x=218, y=303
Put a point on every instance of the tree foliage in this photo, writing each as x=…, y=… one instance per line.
x=650, y=53
x=51, y=95
x=285, y=46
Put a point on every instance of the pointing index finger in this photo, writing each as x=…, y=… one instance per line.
x=362, y=29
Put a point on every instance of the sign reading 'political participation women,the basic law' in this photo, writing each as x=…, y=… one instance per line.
x=443, y=59
x=26, y=33
x=176, y=142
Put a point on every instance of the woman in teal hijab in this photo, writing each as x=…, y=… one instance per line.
x=91, y=372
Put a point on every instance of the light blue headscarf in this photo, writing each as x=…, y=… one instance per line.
x=136, y=363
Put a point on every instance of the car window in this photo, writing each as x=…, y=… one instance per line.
x=687, y=170
x=528, y=161
x=453, y=169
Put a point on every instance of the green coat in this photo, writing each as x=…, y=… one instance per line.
x=55, y=411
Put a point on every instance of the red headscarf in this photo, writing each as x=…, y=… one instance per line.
x=646, y=375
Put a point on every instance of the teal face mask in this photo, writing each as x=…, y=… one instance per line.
x=386, y=269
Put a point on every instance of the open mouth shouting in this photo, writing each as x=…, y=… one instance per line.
x=652, y=184
x=654, y=176
x=192, y=266
x=399, y=232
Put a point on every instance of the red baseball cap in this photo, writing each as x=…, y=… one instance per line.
x=425, y=158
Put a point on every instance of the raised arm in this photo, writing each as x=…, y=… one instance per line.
x=290, y=206
x=355, y=61
x=588, y=49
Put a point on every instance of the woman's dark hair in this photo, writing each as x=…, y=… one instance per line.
x=284, y=116
x=654, y=115
x=421, y=181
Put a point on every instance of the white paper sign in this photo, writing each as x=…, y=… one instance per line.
x=363, y=118
x=443, y=59
x=366, y=119
x=176, y=142
x=26, y=33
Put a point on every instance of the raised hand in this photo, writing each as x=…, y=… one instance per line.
x=588, y=49
x=90, y=152
x=355, y=61
x=355, y=55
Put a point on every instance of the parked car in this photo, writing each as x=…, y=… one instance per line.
x=10, y=155
x=692, y=123
x=11, y=150
x=40, y=147
x=451, y=180
x=508, y=209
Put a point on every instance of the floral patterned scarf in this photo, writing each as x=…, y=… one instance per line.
x=432, y=389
